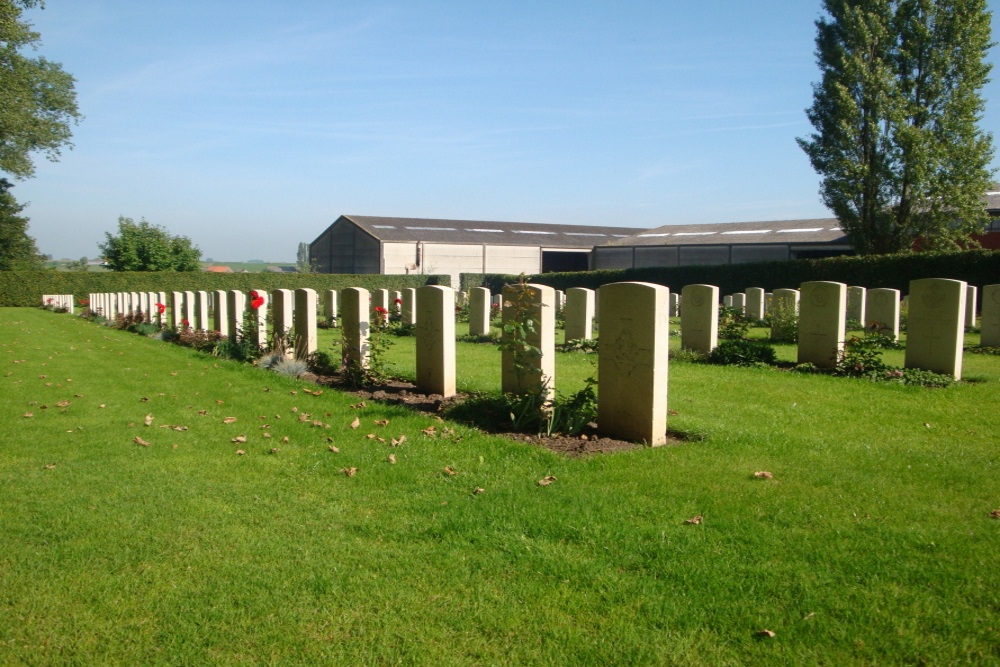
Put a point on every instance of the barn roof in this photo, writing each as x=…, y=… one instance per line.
x=812, y=230
x=432, y=230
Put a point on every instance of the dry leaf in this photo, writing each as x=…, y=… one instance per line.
x=179, y=428
x=356, y=423
x=240, y=452
x=143, y=400
x=333, y=449
x=926, y=425
x=266, y=435
x=381, y=422
x=295, y=409
x=995, y=514
x=695, y=520
x=318, y=392
x=275, y=450
x=148, y=420
x=350, y=472
x=476, y=491
x=218, y=402
x=303, y=417
x=240, y=439
x=396, y=442
x=62, y=404
x=32, y=414
x=430, y=430
x=285, y=440
x=382, y=440
x=358, y=406
x=203, y=412
x=140, y=441
x=450, y=471
x=545, y=481
x=765, y=634
x=763, y=474
x=392, y=458
x=50, y=466
x=229, y=420
x=293, y=392
x=102, y=405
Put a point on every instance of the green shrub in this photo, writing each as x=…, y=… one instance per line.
x=743, y=353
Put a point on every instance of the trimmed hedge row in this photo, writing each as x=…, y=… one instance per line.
x=977, y=267
x=25, y=288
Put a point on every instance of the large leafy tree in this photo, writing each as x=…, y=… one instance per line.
x=896, y=115
x=140, y=246
x=17, y=250
x=37, y=98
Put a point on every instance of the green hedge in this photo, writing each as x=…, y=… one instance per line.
x=25, y=288
x=976, y=267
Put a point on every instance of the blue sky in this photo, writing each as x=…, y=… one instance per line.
x=250, y=126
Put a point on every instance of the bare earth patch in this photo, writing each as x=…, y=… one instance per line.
x=404, y=393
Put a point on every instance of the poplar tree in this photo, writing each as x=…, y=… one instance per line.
x=896, y=115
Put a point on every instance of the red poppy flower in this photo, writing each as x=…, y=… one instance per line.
x=380, y=310
x=48, y=300
x=160, y=308
x=399, y=302
x=256, y=300
x=185, y=323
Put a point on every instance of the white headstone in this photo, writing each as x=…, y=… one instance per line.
x=700, y=317
x=579, y=313
x=305, y=322
x=822, y=310
x=435, y=339
x=971, y=293
x=355, y=304
x=935, y=326
x=479, y=311
x=408, y=312
x=856, y=305
x=524, y=373
x=990, y=336
x=632, y=363
x=882, y=311
x=755, y=302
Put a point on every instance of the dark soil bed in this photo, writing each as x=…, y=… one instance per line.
x=404, y=393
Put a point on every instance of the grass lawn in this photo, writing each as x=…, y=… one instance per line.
x=872, y=544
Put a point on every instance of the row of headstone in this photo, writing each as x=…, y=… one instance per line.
x=58, y=301
x=632, y=368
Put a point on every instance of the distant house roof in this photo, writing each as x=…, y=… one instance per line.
x=812, y=230
x=219, y=269
x=432, y=230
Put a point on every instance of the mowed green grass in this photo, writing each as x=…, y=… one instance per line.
x=872, y=544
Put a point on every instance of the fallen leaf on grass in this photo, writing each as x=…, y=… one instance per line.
x=239, y=439
x=240, y=452
x=765, y=634
x=926, y=425
x=285, y=439
x=333, y=449
x=50, y=466
x=219, y=402
x=430, y=431
x=396, y=442
x=203, y=413
x=294, y=409
x=266, y=435
x=450, y=471
x=476, y=491
x=995, y=514
x=28, y=414
x=229, y=420
x=695, y=520
x=392, y=458
x=545, y=481
x=144, y=400
x=350, y=472
x=763, y=474
x=62, y=404
x=275, y=450
x=148, y=420
x=381, y=422
x=139, y=441
x=78, y=395
x=370, y=436
x=358, y=406
x=102, y=405
x=356, y=423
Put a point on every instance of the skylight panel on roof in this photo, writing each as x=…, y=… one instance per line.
x=434, y=229
x=694, y=233
x=620, y=236
x=803, y=229
x=648, y=236
x=383, y=226
x=524, y=231
x=582, y=234
x=491, y=231
x=750, y=231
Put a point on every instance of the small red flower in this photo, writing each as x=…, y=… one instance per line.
x=160, y=308
x=399, y=302
x=185, y=323
x=256, y=300
x=49, y=300
x=380, y=310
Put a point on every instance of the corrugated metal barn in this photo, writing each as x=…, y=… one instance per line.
x=724, y=243
x=368, y=244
